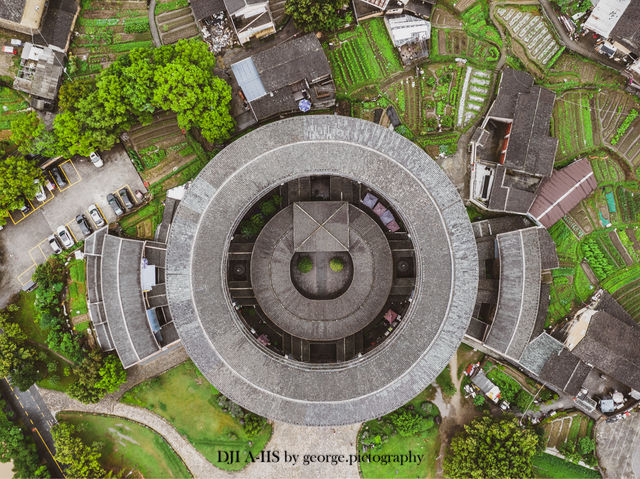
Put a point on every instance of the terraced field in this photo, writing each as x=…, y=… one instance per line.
x=175, y=21
x=573, y=123
x=362, y=56
x=613, y=107
x=475, y=90
x=104, y=31
x=532, y=31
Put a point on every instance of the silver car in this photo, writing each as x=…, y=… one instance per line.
x=96, y=216
x=65, y=236
x=55, y=245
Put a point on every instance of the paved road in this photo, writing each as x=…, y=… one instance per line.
x=32, y=410
x=152, y=23
x=618, y=444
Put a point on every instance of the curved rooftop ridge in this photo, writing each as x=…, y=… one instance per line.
x=446, y=271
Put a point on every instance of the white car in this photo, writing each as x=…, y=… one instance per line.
x=40, y=194
x=96, y=216
x=65, y=236
x=95, y=159
x=55, y=245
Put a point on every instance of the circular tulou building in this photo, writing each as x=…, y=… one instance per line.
x=322, y=270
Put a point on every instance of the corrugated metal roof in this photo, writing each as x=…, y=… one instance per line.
x=248, y=79
x=562, y=192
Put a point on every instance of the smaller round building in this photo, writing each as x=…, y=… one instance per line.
x=321, y=270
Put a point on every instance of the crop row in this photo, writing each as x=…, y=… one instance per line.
x=622, y=129
x=606, y=171
x=628, y=204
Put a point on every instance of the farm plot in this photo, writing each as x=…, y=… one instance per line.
x=13, y=105
x=474, y=94
x=625, y=140
x=477, y=23
x=532, y=31
x=573, y=123
x=606, y=170
x=448, y=44
x=159, y=148
x=104, y=31
x=362, y=56
x=613, y=107
x=175, y=21
x=566, y=435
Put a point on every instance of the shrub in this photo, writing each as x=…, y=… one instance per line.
x=336, y=264
x=305, y=264
x=253, y=424
x=409, y=423
x=479, y=400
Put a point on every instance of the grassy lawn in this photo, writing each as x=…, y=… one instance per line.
x=128, y=446
x=12, y=106
x=77, y=288
x=186, y=399
x=427, y=443
x=551, y=467
x=445, y=382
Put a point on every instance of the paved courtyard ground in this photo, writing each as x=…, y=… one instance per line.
x=618, y=444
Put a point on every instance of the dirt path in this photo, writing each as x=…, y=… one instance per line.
x=454, y=413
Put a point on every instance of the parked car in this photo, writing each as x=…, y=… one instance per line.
x=84, y=225
x=55, y=244
x=26, y=207
x=59, y=177
x=124, y=194
x=96, y=160
x=96, y=216
x=40, y=194
x=115, y=204
x=65, y=236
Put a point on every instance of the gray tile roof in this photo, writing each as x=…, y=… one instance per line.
x=234, y=5
x=116, y=304
x=519, y=294
x=326, y=394
x=205, y=8
x=626, y=30
x=12, y=10
x=300, y=58
x=538, y=352
x=565, y=371
x=57, y=23
x=611, y=345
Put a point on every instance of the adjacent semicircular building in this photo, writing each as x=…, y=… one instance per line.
x=321, y=270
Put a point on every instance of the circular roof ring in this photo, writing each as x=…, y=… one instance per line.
x=446, y=271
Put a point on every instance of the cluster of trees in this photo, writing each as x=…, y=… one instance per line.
x=17, y=447
x=51, y=277
x=582, y=450
x=96, y=111
x=96, y=373
x=319, y=15
x=489, y=447
x=18, y=358
x=408, y=422
x=81, y=459
x=251, y=227
x=16, y=181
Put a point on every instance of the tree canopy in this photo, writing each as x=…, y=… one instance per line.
x=318, y=15
x=17, y=447
x=16, y=183
x=18, y=358
x=178, y=78
x=491, y=448
x=81, y=459
x=97, y=376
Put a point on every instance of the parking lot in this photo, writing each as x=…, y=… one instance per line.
x=23, y=242
x=618, y=445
